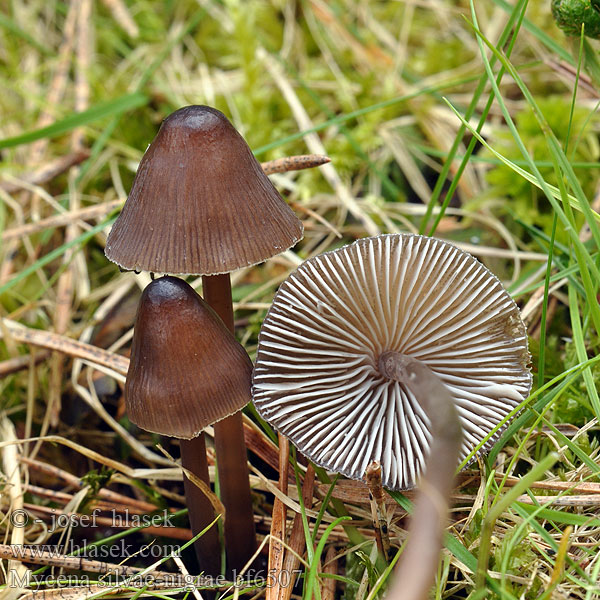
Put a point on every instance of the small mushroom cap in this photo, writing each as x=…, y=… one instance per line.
x=318, y=378
x=200, y=203
x=187, y=371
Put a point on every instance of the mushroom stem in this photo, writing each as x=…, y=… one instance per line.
x=234, y=480
x=201, y=511
x=419, y=561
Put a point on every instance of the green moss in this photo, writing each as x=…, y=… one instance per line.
x=570, y=15
x=527, y=202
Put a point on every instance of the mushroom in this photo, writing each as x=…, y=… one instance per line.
x=201, y=204
x=323, y=375
x=186, y=372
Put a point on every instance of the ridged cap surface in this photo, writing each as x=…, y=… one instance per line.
x=200, y=203
x=317, y=379
x=186, y=371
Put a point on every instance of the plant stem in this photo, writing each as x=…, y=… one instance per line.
x=419, y=561
x=201, y=511
x=234, y=481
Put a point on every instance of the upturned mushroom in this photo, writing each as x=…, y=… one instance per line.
x=201, y=204
x=186, y=372
x=327, y=348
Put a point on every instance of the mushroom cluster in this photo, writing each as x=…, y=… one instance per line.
x=325, y=373
x=200, y=204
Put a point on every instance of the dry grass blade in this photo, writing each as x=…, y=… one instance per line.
x=45, y=173
x=60, y=220
x=76, y=483
x=297, y=543
x=121, y=15
x=12, y=365
x=37, y=556
x=278, y=524
x=378, y=511
x=12, y=474
x=330, y=567
x=97, y=356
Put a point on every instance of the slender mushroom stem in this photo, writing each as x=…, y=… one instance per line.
x=234, y=481
x=200, y=510
x=419, y=561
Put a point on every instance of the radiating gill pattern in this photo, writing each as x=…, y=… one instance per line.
x=316, y=378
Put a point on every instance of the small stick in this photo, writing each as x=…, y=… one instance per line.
x=294, y=163
x=378, y=510
x=58, y=166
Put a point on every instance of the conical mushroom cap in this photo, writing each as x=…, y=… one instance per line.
x=187, y=371
x=318, y=377
x=200, y=203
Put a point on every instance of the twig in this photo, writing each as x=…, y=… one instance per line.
x=294, y=163
x=48, y=172
x=378, y=511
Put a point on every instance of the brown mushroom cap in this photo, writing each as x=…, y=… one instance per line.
x=320, y=376
x=200, y=203
x=187, y=371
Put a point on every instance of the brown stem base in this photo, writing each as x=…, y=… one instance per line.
x=234, y=481
x=201, y=511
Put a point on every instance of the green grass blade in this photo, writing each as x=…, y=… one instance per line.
x=99, y=111
x=312, y=573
